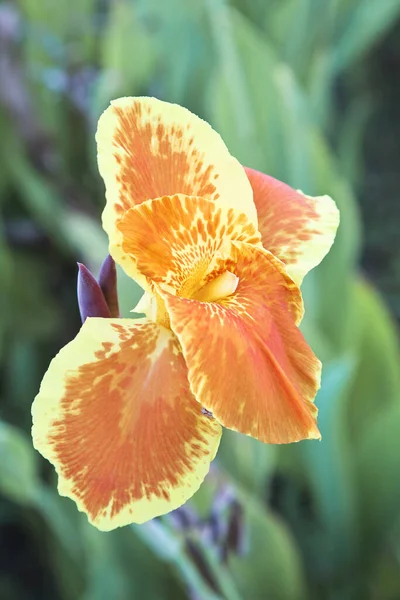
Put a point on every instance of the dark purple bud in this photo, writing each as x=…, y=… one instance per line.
x=200, y=562
x=223, y=500
x=108, y=284
x=91, y=299
x=212, y=531
x=183, y=518
x=227, y=521
x=236, y=535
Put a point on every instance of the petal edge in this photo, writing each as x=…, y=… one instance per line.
x=297, y=228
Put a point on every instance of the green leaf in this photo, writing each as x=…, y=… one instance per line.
x=299, y=37
x=270, y=566
x=6, y=283
x=377, y=465
x=170, y=547
x=376, y=386
x=249, y=122
x=182, y=69
x=63, y=519
x=363, y=27
x=50, y=27
x=105, y=576
x=334, y=275
x=39, y=197
x=87, y=238
x=248, y=461
x=351, y=137
x=18, y=466
x=127, y=56
x=32, y=311
x=329, y=470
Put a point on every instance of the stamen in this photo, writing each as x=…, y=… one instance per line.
x=143, y=306
x=158, y=311
x=153, y=306
x=222, y=286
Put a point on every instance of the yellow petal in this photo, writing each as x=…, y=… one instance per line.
x=116, y=417
x=148, y=148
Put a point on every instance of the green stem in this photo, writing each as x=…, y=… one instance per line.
x=171, y=549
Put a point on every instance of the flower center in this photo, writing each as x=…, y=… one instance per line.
x=220, y=287
x=154, y=307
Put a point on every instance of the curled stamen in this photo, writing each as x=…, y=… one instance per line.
x=222, y=286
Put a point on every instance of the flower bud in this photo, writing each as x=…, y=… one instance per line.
x=91, y=300
x=108, y=284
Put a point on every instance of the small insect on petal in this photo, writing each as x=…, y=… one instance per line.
x=108, y=284
x=91, y=299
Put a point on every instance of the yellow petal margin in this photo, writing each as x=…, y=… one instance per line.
x=116, y=417
x=148, y=149
x=296, y=228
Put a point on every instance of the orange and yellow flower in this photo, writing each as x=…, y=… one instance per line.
x=130, y=412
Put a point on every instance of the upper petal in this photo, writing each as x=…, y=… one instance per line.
x=296, y=228
x=177, y=240
x=248, y=362
x=116, y=417
x=148, y=148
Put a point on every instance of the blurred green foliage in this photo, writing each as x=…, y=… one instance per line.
x=306, y=521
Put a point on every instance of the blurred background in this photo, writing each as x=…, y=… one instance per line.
x=309, y=92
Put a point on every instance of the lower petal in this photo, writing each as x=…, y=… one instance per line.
x=116, y=417
x=248, y=362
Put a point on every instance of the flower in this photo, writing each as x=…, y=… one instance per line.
x=130, y=411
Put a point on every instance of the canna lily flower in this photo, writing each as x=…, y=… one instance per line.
x=130, y=412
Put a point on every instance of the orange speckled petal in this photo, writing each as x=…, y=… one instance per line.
x=116, y=417
x=148, y=148
x=296, y=228
x=177, y=240
x=248, y=362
